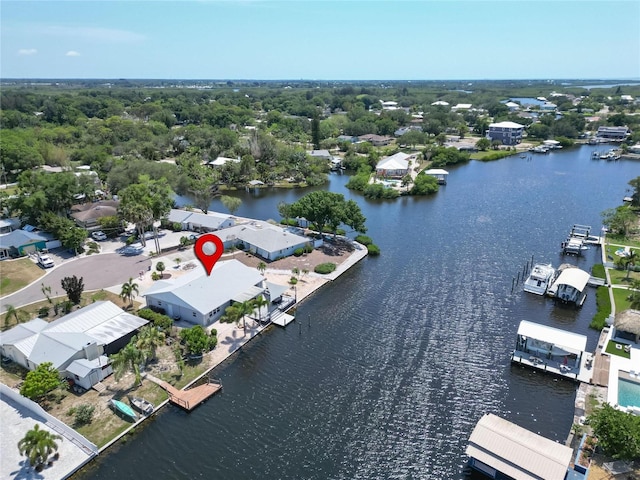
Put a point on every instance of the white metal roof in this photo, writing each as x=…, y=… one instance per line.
x=203, y=293
x=506, y=125
x=517, y=452
x=263, y=235
x=574, y=277
x=436, y=171
x=211, y=220
x=399, y=161
x=573, y=342
x=83, y=367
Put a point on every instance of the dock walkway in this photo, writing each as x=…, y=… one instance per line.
x=189, y=398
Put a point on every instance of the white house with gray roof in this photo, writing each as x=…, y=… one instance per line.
x=200, y=222
x=201, y=299
x=396, y=165
x=264, y=239
x=77, y=344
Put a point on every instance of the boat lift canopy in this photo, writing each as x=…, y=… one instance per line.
x=567, y=341
x=574, y=277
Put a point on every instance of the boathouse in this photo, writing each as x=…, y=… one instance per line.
x=570, y=285
x=440, y=174
x=501, y=449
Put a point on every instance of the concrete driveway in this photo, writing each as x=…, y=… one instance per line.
x=97, y=271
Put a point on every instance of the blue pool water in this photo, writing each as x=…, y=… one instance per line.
x=628, y=393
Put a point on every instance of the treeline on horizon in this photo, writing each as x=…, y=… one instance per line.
x=123, y=128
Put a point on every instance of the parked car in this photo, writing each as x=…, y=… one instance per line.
x=45, y=260
x=99, y=236
x=134, y=249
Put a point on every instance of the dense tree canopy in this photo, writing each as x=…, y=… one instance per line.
x=329, y=209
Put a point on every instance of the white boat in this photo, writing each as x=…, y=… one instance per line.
x=539, y=279
x=142, y=405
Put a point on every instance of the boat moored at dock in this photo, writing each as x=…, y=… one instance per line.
x=540, y=279
x=569, y=286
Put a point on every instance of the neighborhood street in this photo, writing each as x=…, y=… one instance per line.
x=97, y=271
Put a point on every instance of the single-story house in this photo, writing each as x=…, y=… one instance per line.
x=21, y=242
x=396, y=165
x=86, y=215
x=509, y=133
x=77, y=344
x=200, y=222
x=461, y=106
x=626, y=326
x=201, y=299
x=440, y=103
x=348, y=138
x=270, y=242
x=322, y=154
x=634, y=148
x=501, y=449
x=376, y=140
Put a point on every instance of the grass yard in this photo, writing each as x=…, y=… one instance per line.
x=612, y=349
x=620, y=296
x=619, y=277
x=16, y=274
x=31, y=311
x=622, y=240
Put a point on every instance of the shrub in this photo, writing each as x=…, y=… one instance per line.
x=43, y=312
x=176, y=227
x=155, y=276
x=291, y=222
x=364, y=239
x=293, y=280
x=325, y=268
x=159, y=320
x=83, y=414
x=308, y=248
x=373, y=249
x=298, y=252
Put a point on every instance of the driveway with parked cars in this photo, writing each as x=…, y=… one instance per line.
x=97, y=271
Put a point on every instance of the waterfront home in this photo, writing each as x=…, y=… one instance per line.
x=200, y=222
x=8, y=225
x=77, y=344
x=321, y=154
x=440, y=103
x=501, y=449
x=570, y=285
x=395, y=166
x=552, y=350
x=201, y=299
x=265, y=240
x=222, y=161
x=509, y=133
x=440, y=174
x=616, y=134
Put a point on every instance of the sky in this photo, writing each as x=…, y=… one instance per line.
x=320, y=40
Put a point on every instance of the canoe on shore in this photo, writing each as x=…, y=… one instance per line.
x=123, y=408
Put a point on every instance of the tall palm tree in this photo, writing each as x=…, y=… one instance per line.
x=262, y=267
x=129, y=358
x=148, y=340
x=37, y=445
x=11, y=312
x=129, y=290
x=629, y=260
x=259, y=303
x=245, y=308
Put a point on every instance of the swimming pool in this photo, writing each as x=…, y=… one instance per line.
x=628, y=393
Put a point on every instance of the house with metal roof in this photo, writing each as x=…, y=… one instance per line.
x=265, y=240
x=396, y=165
x=200, y=222
x=613, y=133
x=501, y=449
x=77, y=344
x=201, y=299
x=221, y=161
x=322, y=154
x=21, y=242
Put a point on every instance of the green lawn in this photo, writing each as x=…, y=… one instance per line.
x=16, y=274
x=620, y=299
x=611, y=349
x=622, y=240
x=619, y=277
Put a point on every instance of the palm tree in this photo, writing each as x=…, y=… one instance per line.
x=149, y=339
x=259, y=303
x=262, y=267
x=37, y=445
x=11, y=312
x=245, y=308
x=129, y=358
x=129, y=290
x=629, y=260
x=160, y=267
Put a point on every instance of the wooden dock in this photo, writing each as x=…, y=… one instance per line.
x=189, y=398
x=601, y=362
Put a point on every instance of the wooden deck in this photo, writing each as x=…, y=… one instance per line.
x=189, y=398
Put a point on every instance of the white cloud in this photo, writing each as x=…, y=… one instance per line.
x=27, y=51
x=110, y=35
x=72, y=53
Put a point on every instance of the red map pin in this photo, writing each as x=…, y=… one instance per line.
x=209, y=249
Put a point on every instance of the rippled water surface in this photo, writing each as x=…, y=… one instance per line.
x=388, y=369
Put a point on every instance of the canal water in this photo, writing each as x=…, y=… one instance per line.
x=387, y=369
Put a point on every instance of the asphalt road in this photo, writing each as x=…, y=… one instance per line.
x=97, y=271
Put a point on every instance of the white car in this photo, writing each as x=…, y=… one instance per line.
x=45, y=261
x=99, y=236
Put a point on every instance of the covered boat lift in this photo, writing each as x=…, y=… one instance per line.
x=440, y=174
x=501, y=449
x=570, y=285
